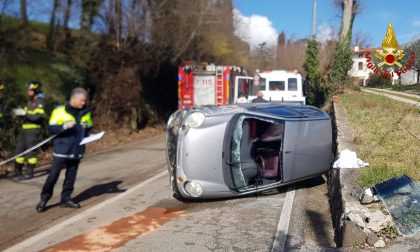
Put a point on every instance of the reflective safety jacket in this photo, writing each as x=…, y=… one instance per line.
x=67, y=143
x=34, y=114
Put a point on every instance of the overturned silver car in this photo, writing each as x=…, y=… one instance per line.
x=219, y=152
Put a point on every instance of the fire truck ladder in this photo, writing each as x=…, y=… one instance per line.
x=219, y=86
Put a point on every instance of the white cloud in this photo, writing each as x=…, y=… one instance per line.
x=416, y=23
x=407, y=37
x=254, y=29
x=325, y=33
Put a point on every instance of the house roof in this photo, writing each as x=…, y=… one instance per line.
x=364, y=50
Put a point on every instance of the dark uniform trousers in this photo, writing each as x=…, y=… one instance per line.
x=70, y=178
x=26, y=139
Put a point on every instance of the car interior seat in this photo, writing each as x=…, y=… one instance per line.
x=268, y=163
x=248, y=164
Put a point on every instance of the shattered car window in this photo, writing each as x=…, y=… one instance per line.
x=401, y=197
x=238, y=177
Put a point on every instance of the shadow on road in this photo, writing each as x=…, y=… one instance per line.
x=98, y=190
x=312, y=182
x=319, y=228
x=94, y=191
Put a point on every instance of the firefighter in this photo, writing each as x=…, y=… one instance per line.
x=72, y=122
x=33, y=116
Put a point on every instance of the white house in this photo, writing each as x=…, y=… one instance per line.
x=361, y=72
x=359, y=69
x=409, y=78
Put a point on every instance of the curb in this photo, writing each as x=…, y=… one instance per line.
x=341, y=182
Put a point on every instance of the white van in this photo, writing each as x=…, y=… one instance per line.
x=276, y=85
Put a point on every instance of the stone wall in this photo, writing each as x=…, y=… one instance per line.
x=353, y=222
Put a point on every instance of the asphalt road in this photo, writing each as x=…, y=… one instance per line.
x=127, y=206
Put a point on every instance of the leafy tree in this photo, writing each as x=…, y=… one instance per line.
x=342, y=62
x=313, y=73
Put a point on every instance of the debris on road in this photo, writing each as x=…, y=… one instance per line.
x=348, y=159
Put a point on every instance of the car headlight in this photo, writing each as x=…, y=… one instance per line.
x=195, y=120
x=193, y=188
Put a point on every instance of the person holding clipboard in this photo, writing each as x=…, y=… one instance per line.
x=72, y=122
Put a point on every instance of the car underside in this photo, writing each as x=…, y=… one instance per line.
x=237, y=152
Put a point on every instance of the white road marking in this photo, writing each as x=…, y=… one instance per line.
x=25, y=245
x=279, y=242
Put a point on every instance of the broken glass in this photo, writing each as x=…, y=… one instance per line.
x=401, y=197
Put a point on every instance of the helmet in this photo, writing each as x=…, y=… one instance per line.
x=35, y=86
x=2, y=86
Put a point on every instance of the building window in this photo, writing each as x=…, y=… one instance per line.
x=360, y=65
x=360, y=55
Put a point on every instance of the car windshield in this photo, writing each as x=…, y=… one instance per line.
x=276, y=85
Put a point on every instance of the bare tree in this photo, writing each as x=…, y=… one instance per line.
x=118, y=22
x=291, y=55
x=23, y=12
x=349, y=9
x=52, y=28
x=90, y=9
x=3, y=9
x=67, y=15
x=362, y=39
x=413, y=47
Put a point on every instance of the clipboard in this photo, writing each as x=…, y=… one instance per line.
x=92, y=138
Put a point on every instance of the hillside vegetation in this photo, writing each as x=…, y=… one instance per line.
x=125, y=53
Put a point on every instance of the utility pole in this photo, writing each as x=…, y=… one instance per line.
x=314, y=21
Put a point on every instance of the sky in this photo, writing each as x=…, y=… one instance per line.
x=262, y=20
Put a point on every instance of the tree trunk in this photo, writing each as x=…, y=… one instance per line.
x=111, y=17
x=85, y=16
x=23, y=12
x=118, y=22
x=52, y=28
x=67, y=16
x=347, y=6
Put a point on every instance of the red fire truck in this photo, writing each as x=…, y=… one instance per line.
x=200, y=85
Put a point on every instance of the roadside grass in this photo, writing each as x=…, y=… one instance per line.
x=385, y=134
